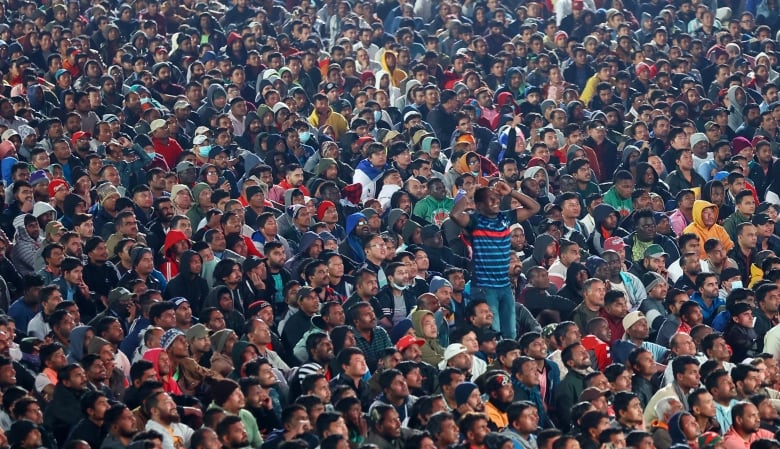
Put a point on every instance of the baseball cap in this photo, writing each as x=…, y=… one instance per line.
x=592, y=393
x=632, y=318
x=614, y=244
x=408, y=340
x=452, y=351
x=119, y=294
x=654, y=251
x=761, y=219
x=156, y=124
x=197, y=331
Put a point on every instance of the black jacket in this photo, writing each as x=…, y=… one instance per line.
x=187, y=285
x=63, y=412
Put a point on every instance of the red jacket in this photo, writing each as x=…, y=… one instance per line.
x=167, y=148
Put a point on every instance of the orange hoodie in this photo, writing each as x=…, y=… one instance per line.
x=704, y=232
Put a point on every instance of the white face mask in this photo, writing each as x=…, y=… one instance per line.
x=398, y=287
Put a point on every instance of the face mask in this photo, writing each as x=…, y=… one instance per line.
x=399, y=287
x=304, y=136
x=475, y=173
x=377, y=115
x=204, y=150
x=152, y=154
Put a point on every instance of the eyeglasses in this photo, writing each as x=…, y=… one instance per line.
x=362, y=222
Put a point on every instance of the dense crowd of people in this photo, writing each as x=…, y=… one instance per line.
x=499, y=224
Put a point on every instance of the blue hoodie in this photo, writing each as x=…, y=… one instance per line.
x=352, y=240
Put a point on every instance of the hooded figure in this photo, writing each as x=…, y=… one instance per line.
x=76, y=348
x=396, y=75
x=461, y=167
x=220, y=360
x=572, y=289
x=600, y=233
x=679, y=439
x=69, y=209
x=654, y=186
x=187, y=284
x=233, y=318
x=707, y=229
x=393, y=92
x=196, y=212
x=540, y=256
x=352, y=247
x=169, y=384
x=24, y=251
x=237, y=356
x=170, y=267
x=544, y=191
x=737, y=100
x=432, y=351
x=308, y=239
x=208, y=108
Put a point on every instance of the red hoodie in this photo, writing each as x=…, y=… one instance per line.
x=170, y=267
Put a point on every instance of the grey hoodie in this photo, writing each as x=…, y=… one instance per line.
x=735, y=110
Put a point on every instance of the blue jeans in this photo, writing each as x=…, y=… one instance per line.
x=502, y=304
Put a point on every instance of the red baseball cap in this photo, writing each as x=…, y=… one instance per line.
x=408, y=340
x=78, y=135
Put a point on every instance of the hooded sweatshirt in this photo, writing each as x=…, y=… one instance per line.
x=24, y=251
x=169, y=384
x=544, y=192
x=184, y=285
x=170, y=267
x=233, y=318
x=196, y=212
x=538, y=257
x=77, y=336
x=214, y=90
x=704, y=233
x=735, y=109
x=432, y=352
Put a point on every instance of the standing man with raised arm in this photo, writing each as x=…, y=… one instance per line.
x=490, y=237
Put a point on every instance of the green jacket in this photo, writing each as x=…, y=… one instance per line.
x=566, y=395
x=250, y=424
x=731, y=222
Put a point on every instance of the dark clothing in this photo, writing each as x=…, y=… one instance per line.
x=643, y=388
x=762, y=326
x=743, y=262
x=568, y=394
x=743, y=342
x=296, y=326
x=187, y=285
x=88, y=431
x=63, y=412
x=442, y=122
x=536, y=300
x=101, y=278
x=443, y=258
x=363, y=391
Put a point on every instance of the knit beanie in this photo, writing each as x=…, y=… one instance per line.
x=222, y=389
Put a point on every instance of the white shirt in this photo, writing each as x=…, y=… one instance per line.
x=37, y=327
x=182, y=432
